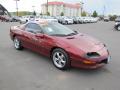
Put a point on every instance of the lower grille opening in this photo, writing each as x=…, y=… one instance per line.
x=104, y=61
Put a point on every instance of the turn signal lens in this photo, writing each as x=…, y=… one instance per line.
x=88, y=62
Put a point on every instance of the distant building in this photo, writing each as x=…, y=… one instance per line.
x=3, y=11
x=56, y=8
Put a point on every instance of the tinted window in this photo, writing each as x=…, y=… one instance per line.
x=33, y=27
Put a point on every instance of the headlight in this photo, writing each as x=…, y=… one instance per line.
x=92, y=55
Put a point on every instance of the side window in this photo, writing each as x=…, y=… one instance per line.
x=33, y=28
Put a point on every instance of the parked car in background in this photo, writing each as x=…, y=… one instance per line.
x=5, y=18
x=11, y=18
x=80, y=20
x=117, y=19
x=22, y=20
x=75, y=20
x=96, y=19
x=93, y=19
x=25, y=19
x=15, y=19
x=117, y=26
x=65, y=47
x=38, y=18
x=58, y=18
x=65, y=20
x=85, y=19
x=50, y=18
x=106, y=19
x=31, y=18
x=1, y=18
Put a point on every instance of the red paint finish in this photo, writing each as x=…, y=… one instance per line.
x=76, y=46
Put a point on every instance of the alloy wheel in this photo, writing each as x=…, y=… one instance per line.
x=59, y=59
x=16, y=43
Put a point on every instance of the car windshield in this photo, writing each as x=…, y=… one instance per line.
x=55, y=29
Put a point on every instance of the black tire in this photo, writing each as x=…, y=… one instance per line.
x=65, y=60
x=17, y=44
x=26, y=21
x=66, y=22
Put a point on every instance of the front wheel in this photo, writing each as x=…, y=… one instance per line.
x=66, y=22
x=17, y=44
x=60, y=59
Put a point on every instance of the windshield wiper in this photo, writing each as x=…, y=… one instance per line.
x=71, y=34
x=58, y=35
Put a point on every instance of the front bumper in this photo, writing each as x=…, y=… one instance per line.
x=81, y=64
x=84, y=66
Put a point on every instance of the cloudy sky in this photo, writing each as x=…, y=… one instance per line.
x=110, y=6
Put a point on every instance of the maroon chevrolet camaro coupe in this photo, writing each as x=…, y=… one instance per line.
x=65, y=47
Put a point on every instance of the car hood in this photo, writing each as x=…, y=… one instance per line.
x=82, y=42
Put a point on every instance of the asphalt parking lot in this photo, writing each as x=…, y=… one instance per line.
x=26, y=70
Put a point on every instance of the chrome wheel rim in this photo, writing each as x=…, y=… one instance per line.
x=16, y=43
x=59, y=59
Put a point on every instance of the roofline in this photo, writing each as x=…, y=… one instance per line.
x=75, y=5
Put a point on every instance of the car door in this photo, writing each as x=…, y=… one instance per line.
x=31, y=40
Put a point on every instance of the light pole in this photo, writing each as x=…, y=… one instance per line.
x=81, y=7
x=34, y=13
x=33, y=8
x=104, y=8
x=47, y=7
x=17, y=7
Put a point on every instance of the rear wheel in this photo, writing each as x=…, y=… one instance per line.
x=60, y=59
x=17, y=44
